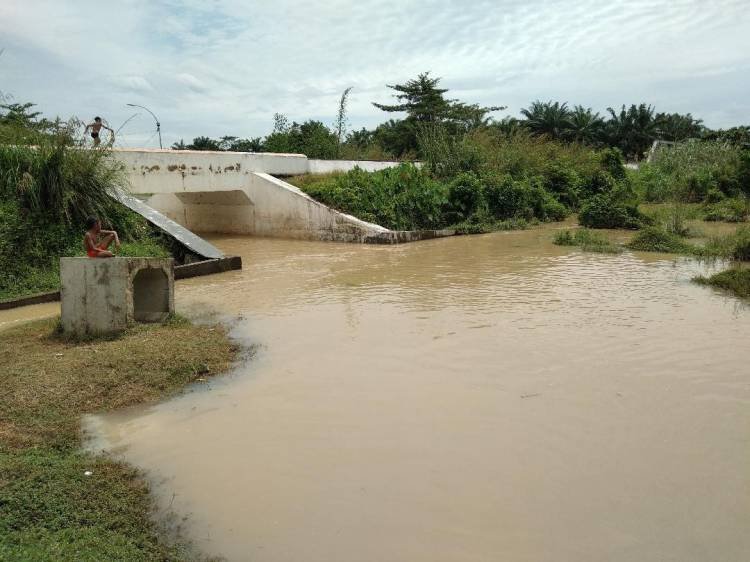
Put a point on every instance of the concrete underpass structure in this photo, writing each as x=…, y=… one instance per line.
x=239, y=193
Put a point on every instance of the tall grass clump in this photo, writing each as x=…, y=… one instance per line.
x=693, y=171
x=47, y=189
x=587, y=240
x=736, y=280
x=657, y=239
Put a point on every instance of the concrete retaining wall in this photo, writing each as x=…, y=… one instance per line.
x=237, y=193
x=330, y=166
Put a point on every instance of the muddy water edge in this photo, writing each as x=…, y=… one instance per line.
x=474, y=398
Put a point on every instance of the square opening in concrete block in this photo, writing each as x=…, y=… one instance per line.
x=105, y=295
x=150, y=295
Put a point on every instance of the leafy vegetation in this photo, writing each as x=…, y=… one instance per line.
x=656, y=239
x=587, y=240
x=632, y=129
x=736, y=280
x=47, y=189
x=51, y=508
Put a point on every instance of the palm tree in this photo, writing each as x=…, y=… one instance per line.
x=633, y=130
x=677, y=127
x=585, y=125
x=547, y=118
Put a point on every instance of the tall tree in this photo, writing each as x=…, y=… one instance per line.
x=425, y=103
x=548, y=118
x=633, y=130
x=585, y=125
x=677, y=127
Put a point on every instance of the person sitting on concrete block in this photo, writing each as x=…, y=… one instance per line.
x=96, y=248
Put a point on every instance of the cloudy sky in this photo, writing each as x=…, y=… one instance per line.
x=216, y=67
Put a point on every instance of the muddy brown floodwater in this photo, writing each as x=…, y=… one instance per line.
x=467, y=399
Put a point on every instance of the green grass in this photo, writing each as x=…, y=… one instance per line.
x=50, y=510
x=734, y=246
x=31, y=246
x=657, y=239
x=587, y=240
x=735, y=280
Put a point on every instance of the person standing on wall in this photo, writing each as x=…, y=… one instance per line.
x=96, y=128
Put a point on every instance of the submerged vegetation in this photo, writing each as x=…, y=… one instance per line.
x=56, y=502
x=735, y=280
x=587, y=240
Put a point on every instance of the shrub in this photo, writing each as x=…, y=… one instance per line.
x=656, y=239
x=612, y=163
x=587, y=240
x=741, y=250
x=610, y=211
x=401, y=198
x=652, y=184
x=465, y=196
x=715, y=195
x=688, y=171
x=564, y=182
x=735, y=280
x=727, y=210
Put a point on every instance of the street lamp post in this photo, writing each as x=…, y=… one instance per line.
x=158, y=125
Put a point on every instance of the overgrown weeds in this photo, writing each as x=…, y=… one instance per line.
x=736, y=280
x=587, y=240
x=46, y=192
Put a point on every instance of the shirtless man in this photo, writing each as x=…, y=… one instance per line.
x=96, y=248
x=96, y=128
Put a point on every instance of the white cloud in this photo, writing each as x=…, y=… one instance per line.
x=191, y=82
x=132, y=83
x=224, y=67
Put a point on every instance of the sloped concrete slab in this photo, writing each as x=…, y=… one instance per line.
x=194, y=243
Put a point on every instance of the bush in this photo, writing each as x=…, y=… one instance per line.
x=741, y=250
x=610, y=211
x=656, y=239
x=465, y=197
x=715, y=196
x=587, y=240
x=690, y=170
x=401, y=198
x=46, y=193
x=564, y=183
x=735, y=280
x=727, y=210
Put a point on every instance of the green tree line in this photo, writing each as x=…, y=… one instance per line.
x=631, y=129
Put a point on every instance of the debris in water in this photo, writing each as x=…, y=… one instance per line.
x=88, y=473
x=531, y=395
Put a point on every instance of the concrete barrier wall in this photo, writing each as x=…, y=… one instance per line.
x=171, y=171
x=330, y=166
x=235, y=192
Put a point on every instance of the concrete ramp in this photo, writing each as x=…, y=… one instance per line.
x=194, y=243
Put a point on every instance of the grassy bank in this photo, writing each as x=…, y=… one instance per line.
x=50, y=509
x=735, y=280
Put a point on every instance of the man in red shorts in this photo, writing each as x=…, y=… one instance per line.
x=96, y=247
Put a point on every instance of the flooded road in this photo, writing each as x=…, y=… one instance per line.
x=467, y=399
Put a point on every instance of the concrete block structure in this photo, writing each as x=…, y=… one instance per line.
x=105, y=295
